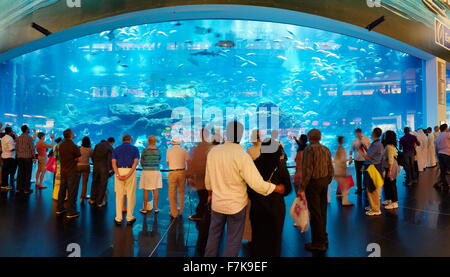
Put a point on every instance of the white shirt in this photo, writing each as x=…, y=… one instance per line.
x=176, y=157
x=228, y=171
x=356, y=144
x=8, y=146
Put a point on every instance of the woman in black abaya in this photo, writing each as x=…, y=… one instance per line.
x=267, y=213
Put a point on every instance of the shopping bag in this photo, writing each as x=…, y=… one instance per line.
x=346, y=183
x=300, y=214
x=51, y=164
x=375, y=175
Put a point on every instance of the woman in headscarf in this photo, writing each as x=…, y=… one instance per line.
x=267, y=213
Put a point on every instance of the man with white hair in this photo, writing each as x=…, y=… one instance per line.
x=318, y=172
x=176, y=158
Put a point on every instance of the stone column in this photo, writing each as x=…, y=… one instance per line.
x=435, y=92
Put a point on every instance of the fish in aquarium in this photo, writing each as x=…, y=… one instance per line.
x=315, y=78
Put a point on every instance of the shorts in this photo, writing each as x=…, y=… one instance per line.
x=42, y=162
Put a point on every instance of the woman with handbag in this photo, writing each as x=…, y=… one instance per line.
x=391, y=170
x=267, y=213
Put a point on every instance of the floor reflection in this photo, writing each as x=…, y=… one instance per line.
x=30, y=228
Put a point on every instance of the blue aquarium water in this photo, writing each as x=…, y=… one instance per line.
x=138, y=80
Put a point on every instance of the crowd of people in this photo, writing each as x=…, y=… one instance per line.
x=236, y=188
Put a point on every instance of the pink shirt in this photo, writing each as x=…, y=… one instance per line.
x=41, y=148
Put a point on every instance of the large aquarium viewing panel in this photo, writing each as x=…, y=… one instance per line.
x=131, y=80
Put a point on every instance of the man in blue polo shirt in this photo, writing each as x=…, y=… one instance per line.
x=124, y=161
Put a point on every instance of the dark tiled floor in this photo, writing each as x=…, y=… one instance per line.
x=29, y=227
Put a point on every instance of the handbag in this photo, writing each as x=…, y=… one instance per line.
x=51, y=164
x=346, y=183
x=401, y=158
x=396, y=169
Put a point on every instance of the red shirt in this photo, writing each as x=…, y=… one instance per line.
x=41, y=148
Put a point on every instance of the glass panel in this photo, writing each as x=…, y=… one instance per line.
x=130, y=80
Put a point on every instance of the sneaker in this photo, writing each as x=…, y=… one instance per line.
x=368, y=208
x=372, y=213
x=392, y=206
x=143, y=211
x=387, y=202
x=61, y=211
x=73, y=215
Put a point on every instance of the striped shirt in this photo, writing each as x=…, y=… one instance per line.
x=150, y=159
x=24, y=147
x=316, y=164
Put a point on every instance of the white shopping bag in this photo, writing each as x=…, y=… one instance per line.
x=300, y=214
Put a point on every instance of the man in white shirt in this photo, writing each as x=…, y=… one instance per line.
x=8, y=158
x=176, y=158
x=359, y=145
x=228, y=171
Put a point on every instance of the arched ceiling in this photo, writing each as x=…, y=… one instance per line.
x=407, y=26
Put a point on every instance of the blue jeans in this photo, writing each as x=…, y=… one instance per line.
x=235, y=230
